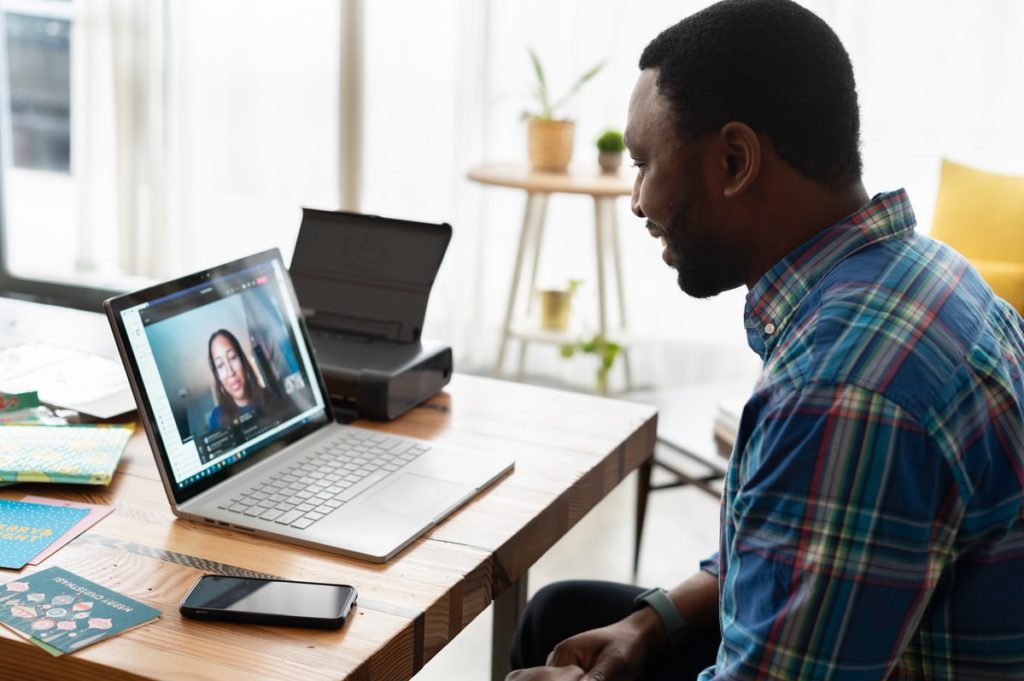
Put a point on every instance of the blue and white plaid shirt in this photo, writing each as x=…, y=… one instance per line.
x=872, y=522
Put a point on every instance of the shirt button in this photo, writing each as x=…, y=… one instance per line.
x=769, y=328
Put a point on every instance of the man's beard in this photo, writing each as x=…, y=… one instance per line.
x=705, y=266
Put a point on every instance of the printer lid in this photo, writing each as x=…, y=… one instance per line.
x=366, y=275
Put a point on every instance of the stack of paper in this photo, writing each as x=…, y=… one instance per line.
x=61, y=612
x=84, y=454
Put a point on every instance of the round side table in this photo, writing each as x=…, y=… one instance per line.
x=605, y=189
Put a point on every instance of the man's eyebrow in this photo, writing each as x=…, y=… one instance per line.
x=625, y=139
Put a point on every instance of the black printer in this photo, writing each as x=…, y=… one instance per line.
x=363, y=282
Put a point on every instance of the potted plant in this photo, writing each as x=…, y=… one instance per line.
x=555, y=305
x=609, y=151
x=606, y=352
x=549, y=137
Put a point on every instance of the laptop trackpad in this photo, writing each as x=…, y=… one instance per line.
x=418, y=495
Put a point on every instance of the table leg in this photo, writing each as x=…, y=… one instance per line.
x=599, y=237
x=507, y=609
x=613, y=237
x=643, y=489
x=524, y=237
x=536, y=235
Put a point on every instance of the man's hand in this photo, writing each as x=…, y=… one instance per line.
x=570, y=673
x=613, y=653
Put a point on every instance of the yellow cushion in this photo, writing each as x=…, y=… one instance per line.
x=981, y=214
x=1005, y=278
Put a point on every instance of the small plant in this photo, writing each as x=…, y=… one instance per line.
x=547, y=106
x=605, y=350
x=611, y=141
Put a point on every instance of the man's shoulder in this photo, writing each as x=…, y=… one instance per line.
x=898, y=319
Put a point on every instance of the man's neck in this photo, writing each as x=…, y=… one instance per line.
x=812, y=208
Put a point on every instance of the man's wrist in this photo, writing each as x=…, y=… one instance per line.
x=667, y=619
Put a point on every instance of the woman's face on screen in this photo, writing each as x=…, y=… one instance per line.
x=228, y=365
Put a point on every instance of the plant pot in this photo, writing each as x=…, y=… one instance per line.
x=610, y=161
x=550, y=144
x=555, y=306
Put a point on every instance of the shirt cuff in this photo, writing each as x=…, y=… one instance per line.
x=710, y=564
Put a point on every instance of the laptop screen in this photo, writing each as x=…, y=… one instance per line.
x=224, y=365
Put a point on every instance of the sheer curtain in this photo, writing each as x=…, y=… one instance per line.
x=445, y=86
x=200, y=130
x=253, y=111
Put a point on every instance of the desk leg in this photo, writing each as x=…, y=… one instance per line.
x=507, y=609
x=643, y=489
x=524, y=240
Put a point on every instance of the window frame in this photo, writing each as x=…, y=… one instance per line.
x=12, y=286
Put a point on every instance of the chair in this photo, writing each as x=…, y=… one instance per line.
x=981, y=215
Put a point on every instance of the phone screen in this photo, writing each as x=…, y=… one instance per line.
x=274, y=598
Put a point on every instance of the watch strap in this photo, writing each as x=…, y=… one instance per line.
x=675, y=624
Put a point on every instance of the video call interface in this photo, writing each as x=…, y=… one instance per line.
x=231, y=368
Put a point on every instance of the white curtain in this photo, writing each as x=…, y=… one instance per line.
x=446, y=83
x=253, y=122
x=118, y=138
x=200, y=129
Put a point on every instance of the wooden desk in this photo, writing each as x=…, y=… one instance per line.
x=570, y=451
x=605, y=189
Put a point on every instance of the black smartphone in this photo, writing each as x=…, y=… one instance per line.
x=269, y=601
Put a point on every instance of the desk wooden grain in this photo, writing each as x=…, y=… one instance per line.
x=570, y=451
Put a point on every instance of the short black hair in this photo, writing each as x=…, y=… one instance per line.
x=773, y=65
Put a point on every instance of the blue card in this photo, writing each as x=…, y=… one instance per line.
x=62, y=612
x=27, y=529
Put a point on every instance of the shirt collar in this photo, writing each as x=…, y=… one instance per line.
x=776, y=296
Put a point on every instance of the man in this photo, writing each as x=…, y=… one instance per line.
x=872, y=510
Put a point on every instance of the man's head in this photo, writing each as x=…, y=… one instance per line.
x=739, y=109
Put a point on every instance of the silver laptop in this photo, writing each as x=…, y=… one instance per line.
x=242, y=429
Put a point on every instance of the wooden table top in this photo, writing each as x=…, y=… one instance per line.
x=591, y=182
x=570, y=451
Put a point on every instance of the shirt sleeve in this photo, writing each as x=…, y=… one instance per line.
x=710, y=564
x=841, y=525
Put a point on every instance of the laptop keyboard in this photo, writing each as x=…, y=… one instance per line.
x=316, y=486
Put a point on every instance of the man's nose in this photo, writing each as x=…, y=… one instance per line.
x=634, y=201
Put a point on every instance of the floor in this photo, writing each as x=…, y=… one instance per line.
x=681, y=529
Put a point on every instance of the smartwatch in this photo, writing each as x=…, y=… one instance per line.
x=675, y=625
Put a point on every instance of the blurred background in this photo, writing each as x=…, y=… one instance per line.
x=148, y=138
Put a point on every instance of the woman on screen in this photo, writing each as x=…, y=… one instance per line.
x=238, y=391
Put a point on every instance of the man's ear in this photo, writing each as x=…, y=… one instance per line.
x=741, y=158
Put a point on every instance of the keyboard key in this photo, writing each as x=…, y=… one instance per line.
x=272, y=514
x=289, y=517
x=302, y=523
x=356, y=489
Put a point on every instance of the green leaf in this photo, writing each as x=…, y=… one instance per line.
x=594, y=70
x=542, y=86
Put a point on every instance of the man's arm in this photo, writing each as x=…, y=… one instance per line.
x=840, y=526
x=619, y=650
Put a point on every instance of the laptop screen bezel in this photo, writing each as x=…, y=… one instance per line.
x=115, y=306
